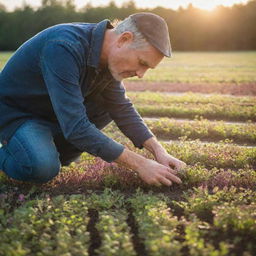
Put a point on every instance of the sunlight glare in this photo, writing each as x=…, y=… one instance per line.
x=208, y=6
x=211, y=5
x=202, y=4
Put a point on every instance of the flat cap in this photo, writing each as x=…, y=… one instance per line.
x=154, y=29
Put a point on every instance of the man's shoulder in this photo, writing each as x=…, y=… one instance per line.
x=71, y=26
x=70, y=31
x=76, y=37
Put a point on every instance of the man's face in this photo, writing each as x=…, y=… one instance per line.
x=124, y=61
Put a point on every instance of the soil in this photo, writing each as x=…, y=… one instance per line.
x=233, y=89
x=95, y=239
x=138, y=244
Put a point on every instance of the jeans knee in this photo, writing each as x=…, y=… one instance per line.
x=45, y=171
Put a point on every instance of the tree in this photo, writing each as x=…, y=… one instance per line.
x=229, y=28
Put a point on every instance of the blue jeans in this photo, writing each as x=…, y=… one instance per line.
x=37, y=150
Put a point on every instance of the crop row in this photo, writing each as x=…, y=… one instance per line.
x=59, y=226
x=210, y=164
x=192, y=111
x=212, y=154
x=216, y=223
x=203, y=129
x=46, y=227
x=165, y=234
x=224, y=216
x=115, y=234
x=203, y=159
x=201, y=202
x=157, y=227
x=177, y=89
x=112, y=226
x=118, y=177
x=192, y=105
x=220, y=155
x=148, y=98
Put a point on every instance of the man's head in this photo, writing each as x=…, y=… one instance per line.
x=140, y=42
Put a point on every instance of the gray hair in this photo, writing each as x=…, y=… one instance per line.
x=129, y=25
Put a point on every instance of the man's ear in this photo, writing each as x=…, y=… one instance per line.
x=125, y=37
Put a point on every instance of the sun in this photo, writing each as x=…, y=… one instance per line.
x=211, y=5
x=205, y=5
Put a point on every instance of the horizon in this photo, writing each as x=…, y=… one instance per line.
x=201, y=4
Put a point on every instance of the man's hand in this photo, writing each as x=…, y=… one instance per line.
x=166, y=159
x=157, y=174
x=150, y=171
x=162, y=156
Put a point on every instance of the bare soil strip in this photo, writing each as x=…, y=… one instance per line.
x=94, y=233
x=138, y=244
x=233, y=89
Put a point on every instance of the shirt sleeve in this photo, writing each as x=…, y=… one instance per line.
x=125, y=115
x=61, y=65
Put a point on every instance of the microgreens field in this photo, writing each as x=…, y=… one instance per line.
x=97, y=208
x=201, y=67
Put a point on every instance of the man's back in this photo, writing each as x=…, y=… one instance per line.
x=60, y=81
x=23, y=91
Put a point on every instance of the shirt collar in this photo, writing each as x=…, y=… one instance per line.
x=96, y=42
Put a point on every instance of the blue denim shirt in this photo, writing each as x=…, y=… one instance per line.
x=54, y=76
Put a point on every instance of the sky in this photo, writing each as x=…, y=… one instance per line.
x=173, y=4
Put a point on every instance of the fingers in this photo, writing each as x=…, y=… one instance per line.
x=173, y=171
x=161, y=181
x=165, y=181
x=177, y=164
x=157, y=184
x=180, y=166
x=166, y=178
x=172, y=177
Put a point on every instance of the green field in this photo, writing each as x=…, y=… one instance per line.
x=191, y=105
x=4, y=58
x=95, y=208
x=198, y=67
x=212, y=67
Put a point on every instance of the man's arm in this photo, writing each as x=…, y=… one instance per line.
x=60, y=69
x=131, y=124
x=125, y=115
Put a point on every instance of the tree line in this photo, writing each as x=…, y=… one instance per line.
x=191, y=29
